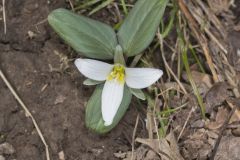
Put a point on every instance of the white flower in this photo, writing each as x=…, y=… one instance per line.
x=115, y=76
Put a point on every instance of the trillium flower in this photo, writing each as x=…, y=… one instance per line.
x=115, y=77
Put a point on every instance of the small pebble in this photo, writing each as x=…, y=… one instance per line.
x=2, y=158
x=97, y=152
x=198, y=124
x=6, y=148
x=61, y=155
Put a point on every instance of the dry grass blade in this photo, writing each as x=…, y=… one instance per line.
x=212, y=18
x=166, y=64
x=219, y=41
x=71, y=4
x=133, y=136
x=166, y=148
x=4, y=17
x=193, y=84
x=27, y=112
x=198, y=35
x=185, y=124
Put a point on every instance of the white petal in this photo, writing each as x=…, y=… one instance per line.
x=112, y=95
x=93, y=69
x=142, y=77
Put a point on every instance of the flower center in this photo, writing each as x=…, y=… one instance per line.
x=117, y=73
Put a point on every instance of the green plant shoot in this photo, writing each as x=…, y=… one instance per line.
x=115, y=82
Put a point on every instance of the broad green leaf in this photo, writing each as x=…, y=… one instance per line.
x=140, y=26
x=91, y=82
x=138, y=93
x=89, y=37
x=94, y=119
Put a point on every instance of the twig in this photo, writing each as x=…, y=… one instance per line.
x=118, y=12
x=185, y=124
x=27, y=112
x=41, y=22
x=4, y=17
x=133, y=136
x=71, y=4
x=224, y=126
x=166, y=64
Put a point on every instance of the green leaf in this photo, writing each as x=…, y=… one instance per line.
x=138, y=93
x=118, y=56
x=94, y=119
x=140, y=26
x=91, y=82
x=87, y=4
x=101, y=6
x=87, y=36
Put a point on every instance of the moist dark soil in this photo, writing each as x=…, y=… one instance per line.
x=36, y=62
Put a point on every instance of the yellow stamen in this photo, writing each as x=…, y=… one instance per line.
x=118, y=73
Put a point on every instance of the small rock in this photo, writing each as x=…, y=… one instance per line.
x=59, y=99
x=61, y=155
x=6, y=148
x=198, y=124
x=120, y=154
x=97, y=152
x=2, y=158
x=31, y=34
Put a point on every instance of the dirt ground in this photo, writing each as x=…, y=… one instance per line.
x=39, y=65
x=34, y=60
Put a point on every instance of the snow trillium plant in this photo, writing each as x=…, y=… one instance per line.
x=115, y=76
x=115, y=83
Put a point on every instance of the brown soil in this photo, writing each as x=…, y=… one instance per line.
x=34, y=60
